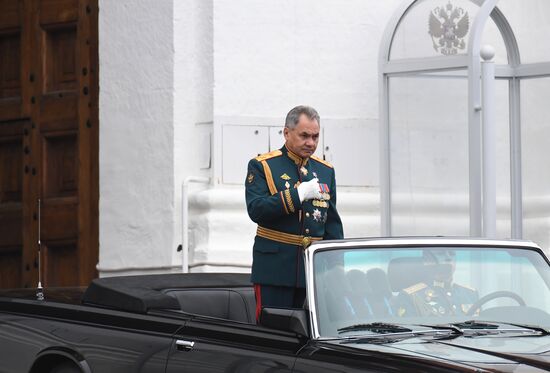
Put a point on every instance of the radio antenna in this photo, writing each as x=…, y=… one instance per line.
x=39, y=290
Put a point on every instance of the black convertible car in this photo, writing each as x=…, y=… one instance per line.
x=373, y=305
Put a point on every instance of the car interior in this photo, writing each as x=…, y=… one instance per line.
x=228, y=296
x=237, y=304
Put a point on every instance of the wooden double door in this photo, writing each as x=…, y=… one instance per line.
x=48, y=142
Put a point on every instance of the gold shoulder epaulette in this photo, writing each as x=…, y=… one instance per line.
x=321, y=161
x=416, y=287
x=466, y=287
x=273, y=154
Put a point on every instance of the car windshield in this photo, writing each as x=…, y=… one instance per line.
x=358, y=287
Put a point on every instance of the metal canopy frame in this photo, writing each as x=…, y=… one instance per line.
x=514, y=72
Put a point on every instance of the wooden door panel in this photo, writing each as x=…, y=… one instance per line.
x=12, y=63
x=58, y=11
x=59, y=264
x=10, y=74
x=10, y=262
x=60, y=63
x=10, y=14
x=48, y=141
x=11, y=178
x=60, y=166
x=11, y=201
x=59, y=220
x=58, y=118
x=11, y=232
x=10, y=108
x=10, y=58
x=59, y=112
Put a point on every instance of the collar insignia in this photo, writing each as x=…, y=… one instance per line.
x=299, y=161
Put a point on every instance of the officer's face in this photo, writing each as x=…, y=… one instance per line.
x=302, y=140
x=443, y=256
x=443, y=263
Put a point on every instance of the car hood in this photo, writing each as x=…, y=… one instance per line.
x=487, y=352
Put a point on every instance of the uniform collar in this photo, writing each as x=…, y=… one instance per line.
x=441, y=284
x=295, y=157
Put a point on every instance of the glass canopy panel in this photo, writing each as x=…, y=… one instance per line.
x=535, y=137
x=429, y=155
x=529, y=20
x=432, y=28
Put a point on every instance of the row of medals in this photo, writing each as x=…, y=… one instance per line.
x=317, y=203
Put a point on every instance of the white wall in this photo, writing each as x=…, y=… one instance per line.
x=174, y=73
x=156, y=81
x=136, y=137
x=270, y=56
x=193, y=100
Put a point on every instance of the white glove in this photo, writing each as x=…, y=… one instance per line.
x=309, y=190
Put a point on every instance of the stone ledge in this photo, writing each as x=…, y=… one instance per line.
x=222, y=235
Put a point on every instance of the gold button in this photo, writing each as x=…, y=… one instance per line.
x=307, y=231
x=307, y=214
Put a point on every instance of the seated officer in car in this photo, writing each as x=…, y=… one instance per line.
x=438, y=295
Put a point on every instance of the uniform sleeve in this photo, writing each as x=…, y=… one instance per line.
x=333, y=227
x=261, y=205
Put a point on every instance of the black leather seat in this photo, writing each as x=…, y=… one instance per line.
x=236, y=304
x=372, y=294
x=381, y=294
x=336, y=295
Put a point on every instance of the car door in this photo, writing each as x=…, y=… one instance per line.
x=215, y=345
x=38, y=334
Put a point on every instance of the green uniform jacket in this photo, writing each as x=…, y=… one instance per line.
x=424, y=300
x=283, y=221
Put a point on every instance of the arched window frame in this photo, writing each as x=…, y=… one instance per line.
x=514, y=71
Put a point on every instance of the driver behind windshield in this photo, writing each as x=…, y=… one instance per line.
x=437, y=293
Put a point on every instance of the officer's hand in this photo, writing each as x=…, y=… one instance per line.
x=309, y=190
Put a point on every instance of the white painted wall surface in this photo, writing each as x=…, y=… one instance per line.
x=174, y=73
x=270, y=56
x=193, y=101
x=156, y=80
x=136, y=156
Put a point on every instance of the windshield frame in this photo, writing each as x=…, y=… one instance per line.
x=399, y=242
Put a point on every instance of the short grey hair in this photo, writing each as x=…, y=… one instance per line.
x=293, y=116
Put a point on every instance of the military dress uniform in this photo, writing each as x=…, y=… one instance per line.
x=435, y=300
x=285, y=225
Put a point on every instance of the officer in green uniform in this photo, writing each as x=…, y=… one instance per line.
x=291, y=195
x=438, y=295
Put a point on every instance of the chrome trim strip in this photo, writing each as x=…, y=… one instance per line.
x=184, y=345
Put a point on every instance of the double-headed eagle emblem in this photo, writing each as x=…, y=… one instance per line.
x=449, y=26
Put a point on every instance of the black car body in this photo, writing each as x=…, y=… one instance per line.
x=206, y=322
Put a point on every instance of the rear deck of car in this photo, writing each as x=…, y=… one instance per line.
x=227, y=296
